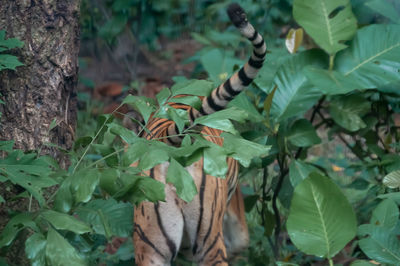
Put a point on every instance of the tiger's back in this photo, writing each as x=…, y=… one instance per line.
x=211, y=227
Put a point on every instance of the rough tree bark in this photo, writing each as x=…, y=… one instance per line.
x=42, y=90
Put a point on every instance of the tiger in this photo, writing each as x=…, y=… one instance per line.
x=211, y=229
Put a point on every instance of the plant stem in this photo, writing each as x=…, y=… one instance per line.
x=331, y=59
x=330, y=262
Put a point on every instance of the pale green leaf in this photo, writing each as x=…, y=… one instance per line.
x=392, y=180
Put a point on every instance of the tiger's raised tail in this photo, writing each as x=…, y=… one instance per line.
x=224, y=93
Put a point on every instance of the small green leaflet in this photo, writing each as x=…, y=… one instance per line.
x=182, y=180
x=59, y=251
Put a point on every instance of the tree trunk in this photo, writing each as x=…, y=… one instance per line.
x=43, y=90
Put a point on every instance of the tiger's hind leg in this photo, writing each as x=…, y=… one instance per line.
x=158, y=229
x=208, y=247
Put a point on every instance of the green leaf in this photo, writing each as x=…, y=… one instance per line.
x=328, y=22
x=182, y=180
x=220, y=119
x=143, y=105
x=303, y=134
x=29, y=171
x=387, y=8
x=14, y=226
x=382, y=245
x=346, y=111
x=64, y=221
x=162, y=96
x=295, y=95
x=243, y=150
x=84, y=183
x=374, y=56
x=145, y=188
x=108, y=217
x=299, y=170
x=60, y=253
x=9, y=43
x=35, y=249
x=219, y=64
x=392, y=180
x=386, y=214
x=215, y=161
x=9, y=62
x=321, y=220
x=193, y=87
x=332, y=82
x=125, y=134
x=193, y=101
x=153, y=157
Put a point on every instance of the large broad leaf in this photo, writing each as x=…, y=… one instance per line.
x=294, y=94
x=299, y=170
x=64, y=221
x=321, y=220
x=382, y=245
x=387, y=8
x=59, y=252
x=374, y=56
x=347, y=111
x=332, y=82
x=108, y=217
x=182, y=180
x=386, y=214
x=328, y=22
x=303, y=134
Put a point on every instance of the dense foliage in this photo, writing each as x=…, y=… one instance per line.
x=317, y=134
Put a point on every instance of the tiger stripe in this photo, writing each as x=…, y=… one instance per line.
x=211, y=228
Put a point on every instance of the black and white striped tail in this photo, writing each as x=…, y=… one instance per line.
x=224, y=93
